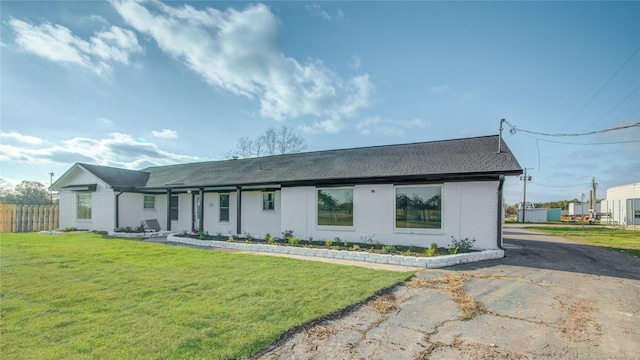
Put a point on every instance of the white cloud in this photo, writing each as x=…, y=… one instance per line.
x=165, y=134
x=118, y=149
x=389, y=127
x=105, y=122
x=355, y=63
x=26, y=139
x=57, y=43
x=317, y=11
x=238, y=51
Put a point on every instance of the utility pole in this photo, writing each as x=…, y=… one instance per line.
x=500, y=136
x=593, y=212
x=524, y=178
x=50, y=184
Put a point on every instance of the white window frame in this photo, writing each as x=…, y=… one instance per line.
x=228, y=207
x=419, y=230
x=176, y=208
x=336, y=227
x=84, y=194
x=266, y=202
x=145, y=202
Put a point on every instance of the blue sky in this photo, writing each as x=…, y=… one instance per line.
x=134, y=84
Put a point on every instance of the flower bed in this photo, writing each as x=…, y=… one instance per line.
x=374, y=253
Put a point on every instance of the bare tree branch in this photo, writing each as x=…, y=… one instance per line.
x=271, y=142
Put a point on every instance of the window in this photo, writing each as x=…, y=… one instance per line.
x=335, y=207
x=149, y=202
x=173, y=207
x=268, y=201
x=419, y=207
x=224, y=207
x=83, y=206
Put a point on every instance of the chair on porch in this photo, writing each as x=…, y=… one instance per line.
x=152, y=225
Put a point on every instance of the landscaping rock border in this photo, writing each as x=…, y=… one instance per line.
x=145, y=235
x=413, y=261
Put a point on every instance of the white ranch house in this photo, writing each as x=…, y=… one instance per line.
x=410, y=194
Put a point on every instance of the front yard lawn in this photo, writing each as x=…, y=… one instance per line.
x=83, y=296
x=619, y=240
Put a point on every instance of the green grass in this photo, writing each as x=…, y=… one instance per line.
x=81, y=296
x=619, y=240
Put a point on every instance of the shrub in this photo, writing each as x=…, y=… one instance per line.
x=287, y=234
x=345, y=243
x=270, y=240
x=461, y=246
x=310, y=239
x=294, y=241
x=355, y=247
x=267, y=236
x=431, y=250
x=249, y=237
x=73, y=228
x=389, y=249
x=328, y=242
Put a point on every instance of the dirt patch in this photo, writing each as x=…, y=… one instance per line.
x=581, y=325
x=384, y=304
x=453, y=283
x=460, y=350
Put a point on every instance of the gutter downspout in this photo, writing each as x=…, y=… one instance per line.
x=499, y=207
x=238, y=210
x=168, y=209
x=117, y=209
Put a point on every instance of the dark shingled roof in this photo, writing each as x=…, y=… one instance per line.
x=436, y=160
x=116, y=177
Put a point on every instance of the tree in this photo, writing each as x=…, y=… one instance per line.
x=26, y=193
x=271, y=142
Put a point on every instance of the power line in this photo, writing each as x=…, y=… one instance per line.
x=588, y=144
x=559, y=186
x=602, y=87
x=618, y=104
x=515, y=129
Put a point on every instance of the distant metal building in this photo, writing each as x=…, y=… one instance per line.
x=622, y=205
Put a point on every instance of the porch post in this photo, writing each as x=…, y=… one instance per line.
x=168, y=209
x=238, y=210
x=201, y=210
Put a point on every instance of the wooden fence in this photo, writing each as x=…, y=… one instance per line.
x=26, y=218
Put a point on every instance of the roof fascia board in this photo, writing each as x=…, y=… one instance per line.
x=436, y=178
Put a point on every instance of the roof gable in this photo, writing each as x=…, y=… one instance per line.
x=116, y=177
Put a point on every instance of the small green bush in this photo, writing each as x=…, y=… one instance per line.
x=328, y=242
x=389, y=249
x=294, y=241
x=431, y=250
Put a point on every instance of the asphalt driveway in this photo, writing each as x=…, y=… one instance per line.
x=548, y=298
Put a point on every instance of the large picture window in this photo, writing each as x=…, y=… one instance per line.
x=419, y=207
x=149, y=202
x=335, y=207
x=174, y=208
x=224, y=207
x=83, y=206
